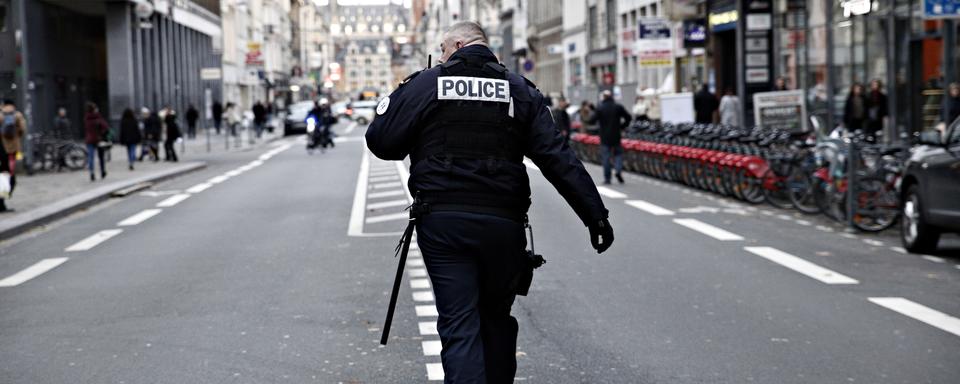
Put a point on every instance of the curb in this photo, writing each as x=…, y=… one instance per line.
x=26, y=221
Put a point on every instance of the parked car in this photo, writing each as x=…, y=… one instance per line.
x=296, y=119
x=363, y=111
x=340, y=109
x=930, y=190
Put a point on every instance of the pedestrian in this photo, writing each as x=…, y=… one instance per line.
x=13, y=128
x=192, y=117
x=152, y=129
x=953, y=103
x=855, y=108
x=259, y=117
x=472, y=194
x=705, y=105
x=612, y=119
x=217, y=111
x=230, y=117
x=173, y=133
x=730, y=109
x=7, y=177
x=96, y=137
x=130, y=135
x=876, y=109
x=62, y=125
x=780, y=84
x=561, y=118
x=586, y=110
x=654, y=112
x=640, y=109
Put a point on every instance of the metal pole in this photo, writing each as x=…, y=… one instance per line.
x=852, y=163
x=831, y=80
x=892, y=128
x=741, y=66
x=949, y=65
x=23, y=83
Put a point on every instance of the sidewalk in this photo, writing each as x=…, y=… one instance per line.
x=47, y=196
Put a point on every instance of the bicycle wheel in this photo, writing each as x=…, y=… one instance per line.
x=74, y=157
x=801, y=189
x=830, y=200
x=878, y=206
x=775, y=190
x=750, y=188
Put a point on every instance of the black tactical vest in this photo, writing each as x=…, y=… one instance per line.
x=472, y=119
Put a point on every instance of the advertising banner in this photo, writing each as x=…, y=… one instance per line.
x=780, y=110
x=654, y=45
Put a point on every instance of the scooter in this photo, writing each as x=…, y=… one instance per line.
x=317, y=136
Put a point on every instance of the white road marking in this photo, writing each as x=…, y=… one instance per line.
x=256, y=163
x=708, y=229
x=652, y=209
x=699, y=209
x=377, y=195
x=431, y=347
x=93, y=240
x=423, y=296
x=920, y=312
x=934, y=259
x=804, y=223
x=32, y=271
x=390, y=217
x=414, y=262
x=420, y=283
x=898, y=250
x=350, y=127
x=435, y=372
x=875, y=243
x=386, y=185
x=426, y=310
x=784, y=217
x=173, y=200
x=355, y=228
x=139, y=217
x=801, y=266
x=199, y=188
x=418, y=272
x=218, y=179
x=766, y=212
x=387, y=204
x=604, y=191
x=379, y=179
x=849, y=235
x=428, y=328
x=824, y=228
x=529, y=163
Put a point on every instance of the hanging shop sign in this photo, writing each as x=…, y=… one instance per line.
x=254, y=56
x=784, y=110
x=856, y=7
x=941, y=9
x=694, y=33
x=654, y=46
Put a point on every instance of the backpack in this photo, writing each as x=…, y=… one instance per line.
x=9, y=129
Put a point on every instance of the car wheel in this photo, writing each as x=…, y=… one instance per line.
x=915, y=234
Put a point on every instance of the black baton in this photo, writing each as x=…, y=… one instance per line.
x=402, y=248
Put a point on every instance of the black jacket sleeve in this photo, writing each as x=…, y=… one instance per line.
x=549, y=151
x=392, y=133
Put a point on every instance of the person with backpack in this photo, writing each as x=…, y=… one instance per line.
x=97, y=138
x=13, y=127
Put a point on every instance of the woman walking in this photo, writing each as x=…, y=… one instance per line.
x=173, y=133
x=95, y=131
x=130, y=135
x=855, y=109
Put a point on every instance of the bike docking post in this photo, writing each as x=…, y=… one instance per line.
x=853, y=160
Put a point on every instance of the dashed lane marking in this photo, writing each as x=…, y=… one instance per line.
x=140, y=217
x=801, y=266
x=611, y=193
x=218, y=179
x=804, y=223
x=423, y=296
x=920, y=312
x=899, y=250
x=418, y=272
x=386, y=185
x=377, y=195
x=93, y=240
x=419, y=283
x=414, y=263
x=708, y=229
x=32, y=271
x=428, y=328
x=387, y=204
x=872, y=242
x=199, y=188
x=173, y=200
x=390, y=217
x=431, y=347
x=380, y=179
x=934, y=259
x=650, y=208
x=435, y=372
x=426, y=310
x=824, y=228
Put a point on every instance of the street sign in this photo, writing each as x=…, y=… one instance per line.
x=941, y=9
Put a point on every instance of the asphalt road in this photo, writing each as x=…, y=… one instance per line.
x=275, y=265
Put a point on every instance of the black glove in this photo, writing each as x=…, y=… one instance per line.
x=601, y=235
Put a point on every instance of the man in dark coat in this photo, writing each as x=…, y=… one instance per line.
x=173, y=133
x=561, y=118
x=259, y=117
x=192, y=117
x=876, y=108
x=705, y=104
x=152, y=129
x=217, y=111
x=612, y=118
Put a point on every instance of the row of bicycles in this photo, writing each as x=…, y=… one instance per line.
x=55, y=153
x=759, y=165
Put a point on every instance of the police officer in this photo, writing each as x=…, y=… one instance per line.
x=466, y=125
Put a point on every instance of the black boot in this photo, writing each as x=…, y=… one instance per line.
x=93, y=177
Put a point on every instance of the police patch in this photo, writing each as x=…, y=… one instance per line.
x=384, y=104
x=473, y=88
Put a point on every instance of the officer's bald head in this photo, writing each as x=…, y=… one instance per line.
x=460, y=35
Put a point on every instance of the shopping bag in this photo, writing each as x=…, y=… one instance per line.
x=4, y=185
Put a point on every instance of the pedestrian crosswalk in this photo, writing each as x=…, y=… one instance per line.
x=380, y=198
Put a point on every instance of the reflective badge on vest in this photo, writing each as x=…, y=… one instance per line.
x=473, y=88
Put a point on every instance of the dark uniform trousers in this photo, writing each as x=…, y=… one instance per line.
x=471, y=259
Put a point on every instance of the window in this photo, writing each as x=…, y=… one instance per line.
x=653, y=9
x=623, y=22
x=594, y=21
x=611, y=22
